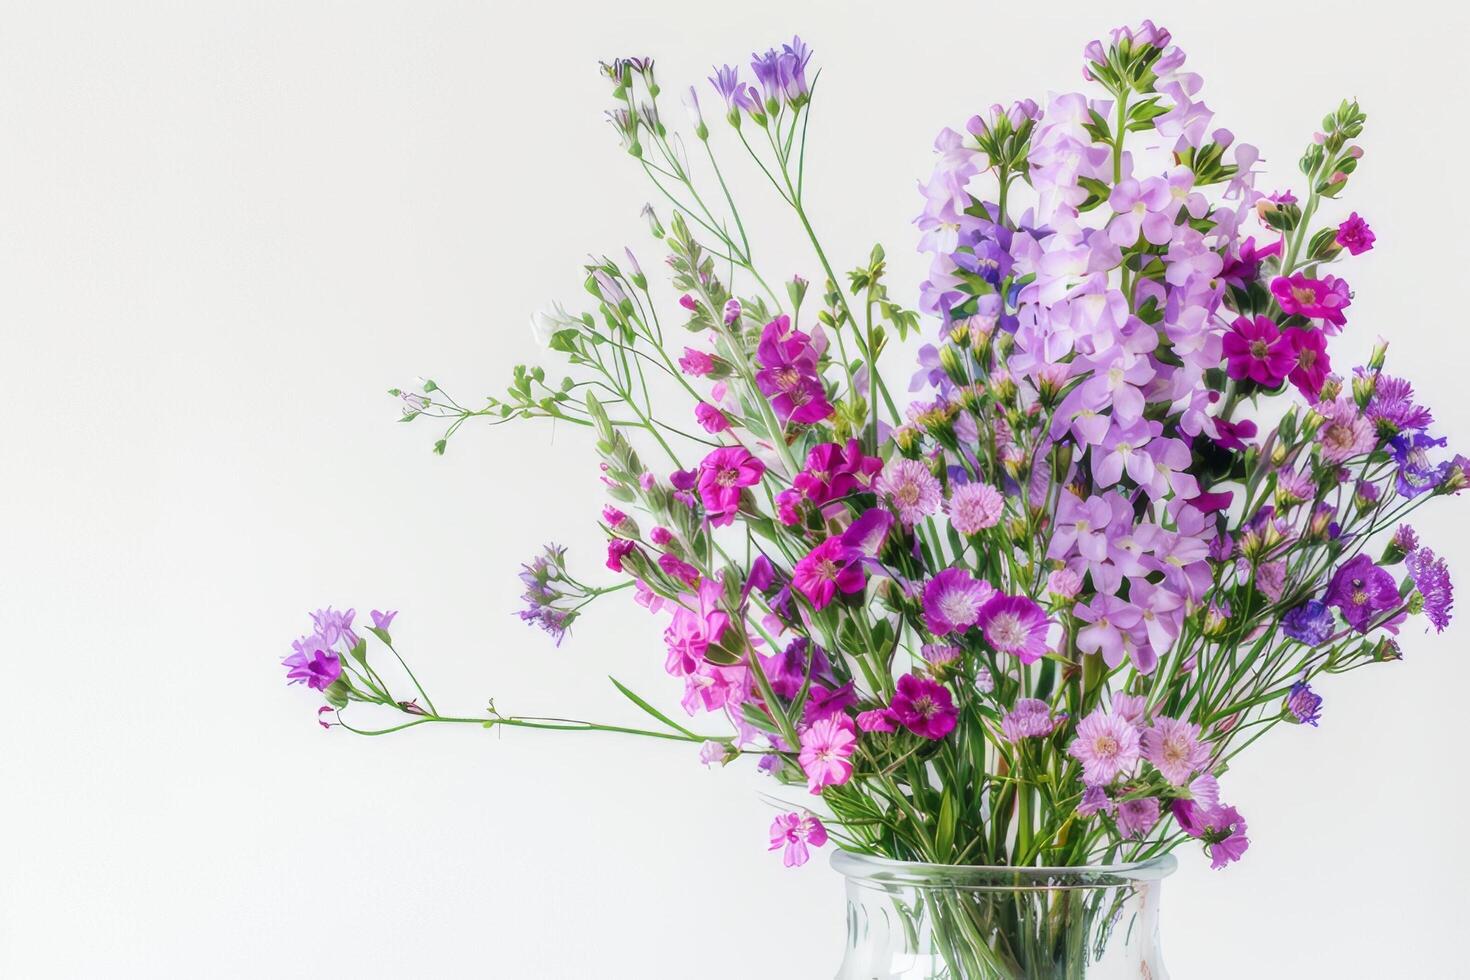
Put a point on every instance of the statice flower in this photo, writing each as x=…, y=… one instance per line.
x=909, y=486
x=1392, y=408
x=1304, y=704
x=828, y=568
x=973, y=507
x=1015, y=624
x=826, y=748
x=312, y=663
x=1432, y=578
x=953, y=600
x=795, y=831
x=1355, y=235
x=923, y=706
x=1175, y=749
x=1106, y=745
x=1360, y=590
x=1310, y=623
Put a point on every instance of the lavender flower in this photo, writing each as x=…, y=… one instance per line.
x=1310, y=623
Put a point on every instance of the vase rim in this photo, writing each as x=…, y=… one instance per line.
x=853, y=865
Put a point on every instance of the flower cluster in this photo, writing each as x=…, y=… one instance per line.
x=1123, y=526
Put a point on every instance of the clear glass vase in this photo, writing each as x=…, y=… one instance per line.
x=910, y=921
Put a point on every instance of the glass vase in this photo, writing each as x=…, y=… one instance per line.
x=909, y=921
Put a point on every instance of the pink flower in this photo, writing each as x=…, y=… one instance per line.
x=910, y=487
x=952, y=601
x=617, y=550
x=1256, y=350
x=1355, y=235
x=1137, y=817
x=794, y=831
x=660, y=535
x=697, y=622
x=877, y=720
x=1063, y=584
x=1345, y=432
x=1106, y=745
x=1175, y=749
x=696, y=363
x=675, y=567
x=829, y=567
x=834, y=471
x=711, y=418
x=923, y=706
x=613, y=517
x=825, y=749
x=721, y=475
x=1015, y=624
x=1309, y=347
x=974, y=506
x=1318, y=299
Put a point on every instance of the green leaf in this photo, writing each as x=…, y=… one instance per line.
x=650, y=709
x=381, y=635
x=359, y=651
x=944, y=830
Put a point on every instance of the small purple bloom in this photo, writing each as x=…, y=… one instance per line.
x=1355, y=235
x=1310, y=623
x=1304, y=704
x=312, y=663
x=383, y=620
x=1360, y=590
x=1432, y=578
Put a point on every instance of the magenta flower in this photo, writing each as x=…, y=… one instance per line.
x=721, y=475
x=877, y=720
x=697, y=622
x=1106, y=745
x=312, y=663
x=952, y=601
x=676, y=568
x=824, y=702
x=825, y=749
x=910, y=488
x=869, y=532
x=1015, y=624
x=794, y=831
x=1355, y=235
x=1255, y=349
x=834, y=471
x=923, y=706
x=617, y=550
x=828, y=568
x=788, y=374
x=1137, y=817
x=1318, y=299
x=1175, y=749
x=1220, y=827
x=1360, y=590
x=712, y=419
x=973, y=507
x=1311, y=364
x=696, y=363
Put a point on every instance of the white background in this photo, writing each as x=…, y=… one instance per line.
x=226, y=229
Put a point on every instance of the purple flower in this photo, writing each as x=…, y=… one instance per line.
x=1220, y=827
x=1030, y=718
x=383, y=620
x=1015, y=624
x=1392, y=408
x=952, y=601
x=923, y=706
x=312, y=663
x=1137, y=817
x=737, y=94
x=334, y=626
x=834, y=471
x=788, y=374
x=1255, y=349
x=869, y=532
x=1095, y=800
x=1106, y=745
x=1432, y=578
x=794, y=831
x=1310, y=623
x=1304, y=704
x=721, y=475
x=1416, y=473
x=1345, y=432
x=973, y=507
x=1355, y=235
x=1111, y=625
x=828, y=568
x=825, y=749
x=1360, y=590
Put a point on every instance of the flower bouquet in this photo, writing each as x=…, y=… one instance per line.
x=1001, y=638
